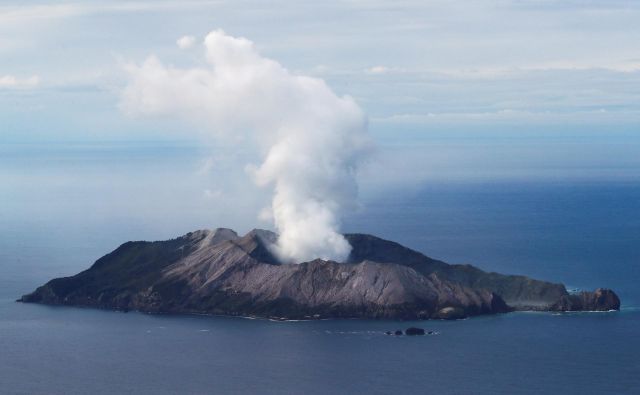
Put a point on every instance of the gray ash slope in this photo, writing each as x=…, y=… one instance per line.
x=219, y=272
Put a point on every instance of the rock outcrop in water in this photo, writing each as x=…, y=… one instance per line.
x=219, y=272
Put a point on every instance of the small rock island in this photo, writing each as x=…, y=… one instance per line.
x=219, y=272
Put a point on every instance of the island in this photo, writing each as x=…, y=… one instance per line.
x=219, y=272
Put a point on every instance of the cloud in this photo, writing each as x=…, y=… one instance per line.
x=514, y=117
x=186, y=42
x=12, y=82
x=377, y=70
x=17, y=15
x=312, y=141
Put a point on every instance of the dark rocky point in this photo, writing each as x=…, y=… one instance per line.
x=414, y=331
x=598, y=300
x=219, y=272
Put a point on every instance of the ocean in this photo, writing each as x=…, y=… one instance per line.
x=64, y=206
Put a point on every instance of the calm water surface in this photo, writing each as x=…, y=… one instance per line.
x=60, y=212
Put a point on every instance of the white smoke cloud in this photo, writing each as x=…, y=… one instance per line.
x=312, y=140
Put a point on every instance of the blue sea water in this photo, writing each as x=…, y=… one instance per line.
x=63, y=207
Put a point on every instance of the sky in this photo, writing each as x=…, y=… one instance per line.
x=451, y=89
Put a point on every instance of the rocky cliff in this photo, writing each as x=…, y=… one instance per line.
x=220, y=272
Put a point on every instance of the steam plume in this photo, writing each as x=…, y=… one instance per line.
x=312, y=140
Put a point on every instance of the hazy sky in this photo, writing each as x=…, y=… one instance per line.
x=528, y=73
x=471, y=91
x=463, y=64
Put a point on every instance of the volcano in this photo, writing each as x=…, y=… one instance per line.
x=219, y=272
